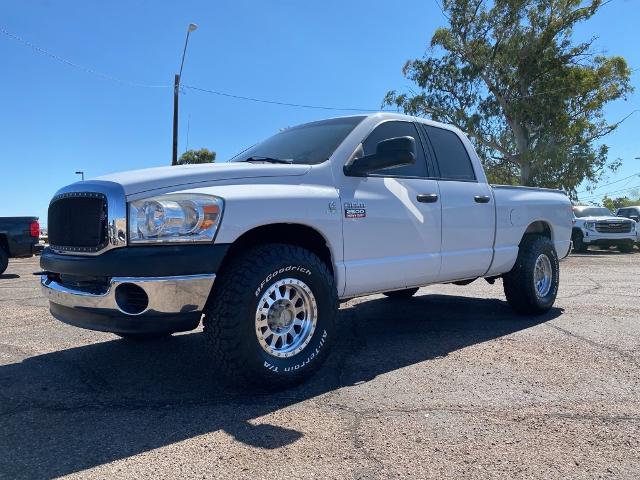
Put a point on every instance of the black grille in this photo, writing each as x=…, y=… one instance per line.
x=78, y=222
x=613, y=227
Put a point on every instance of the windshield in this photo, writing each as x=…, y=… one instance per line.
x=592, y=212
x=309, y=144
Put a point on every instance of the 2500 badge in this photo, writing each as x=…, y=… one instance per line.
x=355, y=210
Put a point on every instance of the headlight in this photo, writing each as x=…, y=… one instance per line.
x=175, y=218
x=590, y=226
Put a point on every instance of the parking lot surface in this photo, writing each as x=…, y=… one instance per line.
x=449, y=384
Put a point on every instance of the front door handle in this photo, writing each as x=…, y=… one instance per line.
x=427, y=198
x=482, y=198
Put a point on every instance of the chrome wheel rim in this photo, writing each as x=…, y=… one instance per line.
x=542, y=276
x=286, y=317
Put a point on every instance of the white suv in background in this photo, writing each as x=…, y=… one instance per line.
x=598, y=226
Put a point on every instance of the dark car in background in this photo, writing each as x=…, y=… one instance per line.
x=19, y=238
x=629, y=212
x=632, y=213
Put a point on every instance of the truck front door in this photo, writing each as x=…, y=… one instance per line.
x=391, y=221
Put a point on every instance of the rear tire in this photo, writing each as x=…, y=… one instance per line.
x=532, y=284
x=270, y=319
x=625, y=247
x=401, y=294
x=578, y=242
x=4, y=261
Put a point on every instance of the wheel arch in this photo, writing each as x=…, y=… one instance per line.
x=288, y=233
x=538, y=227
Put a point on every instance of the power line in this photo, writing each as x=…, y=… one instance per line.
x=88, y=70
x=274, y=102
x=630, y=189
x=611, y=183
x=106, y=76
x=121, y=81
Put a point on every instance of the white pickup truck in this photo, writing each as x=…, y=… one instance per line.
x=263, y=248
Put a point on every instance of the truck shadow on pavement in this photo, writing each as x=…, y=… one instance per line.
x=8, y=276
x=74, y=409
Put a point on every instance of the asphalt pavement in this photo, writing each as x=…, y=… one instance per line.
x=449, y=384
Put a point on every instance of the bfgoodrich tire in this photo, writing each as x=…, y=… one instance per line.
x=270, y=319
x=532, y=284
x=401, y=294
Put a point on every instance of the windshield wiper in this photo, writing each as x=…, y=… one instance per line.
x=268, y=160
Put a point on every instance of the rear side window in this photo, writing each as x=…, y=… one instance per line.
x=395, y=129
x=453, y=160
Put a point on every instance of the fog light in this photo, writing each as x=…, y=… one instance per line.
x=131, y=298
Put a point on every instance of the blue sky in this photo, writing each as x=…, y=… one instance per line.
x=58, y=119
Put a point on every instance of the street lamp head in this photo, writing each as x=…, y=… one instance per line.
x=192, y=27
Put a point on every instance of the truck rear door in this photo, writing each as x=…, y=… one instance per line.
x=468, y=210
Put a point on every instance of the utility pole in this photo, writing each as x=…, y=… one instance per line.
x=176, y=92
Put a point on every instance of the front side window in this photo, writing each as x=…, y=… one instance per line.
x=452, y=157
x=394, y=129
x=309, y=144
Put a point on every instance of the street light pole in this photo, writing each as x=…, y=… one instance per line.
x=176, y=89
x=81, y=173
x=176, y=92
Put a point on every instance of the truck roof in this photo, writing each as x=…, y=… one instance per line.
x=411, y=118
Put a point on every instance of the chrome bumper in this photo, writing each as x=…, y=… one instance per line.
x=165, y=295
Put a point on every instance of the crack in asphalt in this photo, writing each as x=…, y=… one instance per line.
x=595, y=344
x=360, y=446
x=491, y=412
x=594, y=288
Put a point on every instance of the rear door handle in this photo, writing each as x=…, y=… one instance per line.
x=427, y=198
x=482, y=198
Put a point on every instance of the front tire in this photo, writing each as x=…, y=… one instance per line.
x=578, y=242
x=532, y=284
x=401, y=294
x=270, y=319
x=625, y=247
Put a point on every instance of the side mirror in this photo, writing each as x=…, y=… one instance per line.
x=635, y=218
x=393, y=152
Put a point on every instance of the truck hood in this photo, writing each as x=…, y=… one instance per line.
x=184, y=176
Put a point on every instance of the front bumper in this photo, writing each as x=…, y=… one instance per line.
x=600, y=238
x=157, y=289
x=131, y=304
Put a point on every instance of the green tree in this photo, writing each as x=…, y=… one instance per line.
x=197, y=156
x=508, y=74
x=614, y=203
